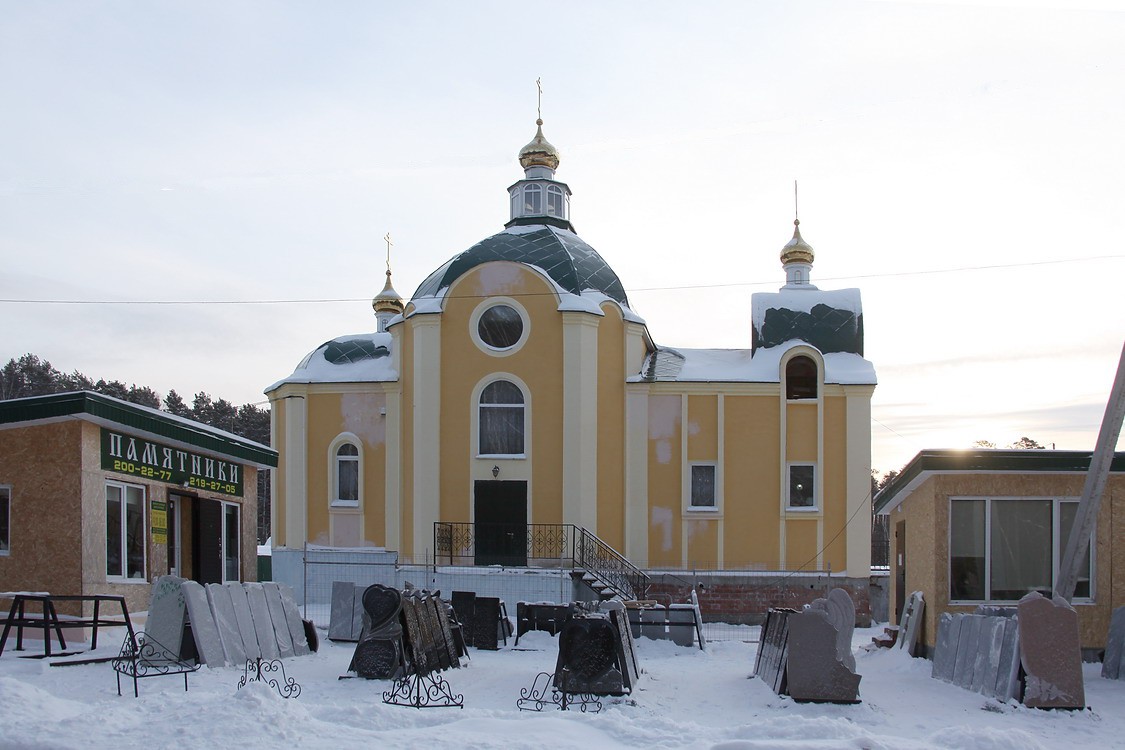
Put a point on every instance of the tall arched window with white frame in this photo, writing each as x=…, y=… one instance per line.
x=532, y=200
x=501, y=420
x=555, y=203
x=347, y=477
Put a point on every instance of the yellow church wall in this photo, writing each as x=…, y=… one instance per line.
x=535, y=364
x=702, y=535
x=703, y=428
x=751, y=426
x=801, y=431
x=406, y=332
x=611, y=427
x=800, y=543
x=664, y=478
x=835, y=479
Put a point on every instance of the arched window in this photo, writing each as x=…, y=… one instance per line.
x=555, y=201
x=800, y=378
x=347, y=476
x=532, y=200
x=501, y=420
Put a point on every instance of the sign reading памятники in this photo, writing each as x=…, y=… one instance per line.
x=146, y=458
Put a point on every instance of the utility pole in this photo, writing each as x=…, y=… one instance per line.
x=1092, y=491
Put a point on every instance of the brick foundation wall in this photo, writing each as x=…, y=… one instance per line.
x=745, y=599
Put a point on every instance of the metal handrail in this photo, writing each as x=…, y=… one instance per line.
x=565, y=542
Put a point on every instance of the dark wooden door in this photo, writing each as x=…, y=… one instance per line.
x=900, y=570
x=500, y=515
x=207, y=541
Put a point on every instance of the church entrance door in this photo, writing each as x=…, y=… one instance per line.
x=500, y=516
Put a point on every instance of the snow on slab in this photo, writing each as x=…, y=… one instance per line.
x=686, y=698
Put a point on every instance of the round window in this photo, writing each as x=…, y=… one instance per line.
x=500, y=326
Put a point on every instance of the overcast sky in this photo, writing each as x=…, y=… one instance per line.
x=960, y=163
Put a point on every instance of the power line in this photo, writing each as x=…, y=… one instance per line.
x=639, y=290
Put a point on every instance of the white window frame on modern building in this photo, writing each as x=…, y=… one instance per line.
x=5, y=520
x=232, y=510
x=335, y=462
x=122, y=574
x=716, y=488
x=479, y=423
x=816, y=504
x=485, y=306
x=1057, y=546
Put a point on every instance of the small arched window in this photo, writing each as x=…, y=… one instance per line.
x=555, y=201
x=532, y=200
x=347, y=475
x=501, y=415
x=800, y=378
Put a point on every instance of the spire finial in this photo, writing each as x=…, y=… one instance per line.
x=539, y=104
x=796, y=215
x=387, y=239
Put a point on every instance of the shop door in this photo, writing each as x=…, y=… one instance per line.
x=207, y=547
x=500, y=514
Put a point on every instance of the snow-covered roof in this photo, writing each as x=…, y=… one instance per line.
x=745, y=366
x=832, y=321
x=362, y=358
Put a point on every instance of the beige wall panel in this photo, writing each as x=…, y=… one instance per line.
x=42, y=465
x=800, y=543
x=751, y=481
x=536, y=363
x=407, y=380
x=834, y=476
x=611, y=428
x=801, y=431
x=664, y=476
x=702, y=428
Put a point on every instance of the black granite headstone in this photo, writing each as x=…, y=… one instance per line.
x=379, y=654
x=486, y=620
x=589, y=657
x=464, y=607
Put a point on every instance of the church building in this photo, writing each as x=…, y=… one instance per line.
x=518, y=389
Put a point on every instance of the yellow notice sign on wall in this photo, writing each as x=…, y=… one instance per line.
x=158, y=518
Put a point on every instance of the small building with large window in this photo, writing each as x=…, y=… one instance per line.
x=518, y=390
x=102, y=496
x=972, y=527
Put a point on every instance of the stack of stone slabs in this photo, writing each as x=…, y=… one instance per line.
x=978, y=652
x=346, y=620
x=230, y=622
x=1113, y=663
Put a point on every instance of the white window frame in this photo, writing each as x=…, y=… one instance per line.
x=1057, y=547
x=816, y=504
x=6, y=513
x=477, y=406
x=334, y=500
x=474, y=327
x=227, y=507
x=717, y=488
x=537, y=190
x=124, y=487
x=556, y=196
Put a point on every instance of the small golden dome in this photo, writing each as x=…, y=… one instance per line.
x=796, y=250
x=387, y=300
x=539, y=153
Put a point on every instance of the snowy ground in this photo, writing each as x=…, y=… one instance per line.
x=685, y=699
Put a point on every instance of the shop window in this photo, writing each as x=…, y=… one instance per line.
x=501, y=416
x=125, y=532
x=5, y=520
x=703, y=490
x=800, y=378
x=802, y=488
x=231, y=546
x=1001, y=549
x=347, y=476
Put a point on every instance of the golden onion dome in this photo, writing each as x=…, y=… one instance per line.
x=387, y=300
x=796, y=250
x=539, y=153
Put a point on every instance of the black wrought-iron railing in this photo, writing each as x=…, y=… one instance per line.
x=538, y=544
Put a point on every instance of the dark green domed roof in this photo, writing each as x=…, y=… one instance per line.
x=570, y=262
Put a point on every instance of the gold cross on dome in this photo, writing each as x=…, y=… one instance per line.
x=539, y=105
x=387, y=239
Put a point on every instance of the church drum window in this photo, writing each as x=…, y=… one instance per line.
x=555, y=201
x=800, y=378
x=500, y=327
x=532, y=200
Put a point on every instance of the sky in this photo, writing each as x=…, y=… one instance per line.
x=193, y=196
